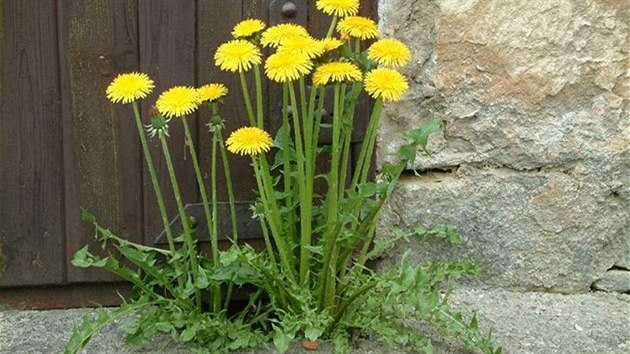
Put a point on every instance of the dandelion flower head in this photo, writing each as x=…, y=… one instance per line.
x=248, y=28
x=339, y=8
x=211, y=92
x=330, y=44
x=358, y=27
x=178, y=101
x=304, y=45
x=285, y=66
x=386, y=84
x=237, y=55
x=338, y=71
x=389, y=52
x=249, y=141
x=129, y=87
x=275, y=35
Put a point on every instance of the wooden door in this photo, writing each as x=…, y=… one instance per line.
x=63, y=146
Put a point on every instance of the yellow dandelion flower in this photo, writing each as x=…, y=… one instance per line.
x=285, y=66
x=330, y=44
x=304, y=45
x=211, y=92
x=339, y=71
x=339, y=8
x=275, y=35
x=237, y=55
x=178, y=101
x=358, y=27
x=249, y=141
x=248, y=28
x=386, y=84
x=389, y=52
x=129, y=87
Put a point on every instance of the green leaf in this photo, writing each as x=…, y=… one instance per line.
x=87, y=217
x=313, y=333
x=81, y=258
x=367, y=190
x=473, y=322
x=188, y=334
x=407, y=152
x=420, y=136
x=202, y=280
x=82, y=334
x=282, y=340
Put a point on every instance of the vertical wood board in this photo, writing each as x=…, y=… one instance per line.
x=167, y=55
x=101, y=153
x=31, y=160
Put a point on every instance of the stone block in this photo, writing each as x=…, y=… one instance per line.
x=536, y=99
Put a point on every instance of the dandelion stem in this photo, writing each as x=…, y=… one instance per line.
x=317, y=124
x=286, y=131
x=327, y=273
x=202, y=191
x=184, y=218
x=331, y=29
x=259, y=98
x=305, y=208
x=229, y=185
x=272, y=212
x=367, y=147
x=215, y=219
x=348, y=120
x=247, y=99
x=156, y=185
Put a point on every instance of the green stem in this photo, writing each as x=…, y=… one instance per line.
x=367, y=147
x=268, y=245
x=316, y=125
x=344, y=305
x=154, y=180
x=367, y=161
x=215, y=219
x=272, y=212
x=229, y=185
x=348, y=119
x=202, y=190
x=333, y=177
x=157, y=189
x=183, y=217
x=305, y=208
x=211, y=218
x=286, y=131
x=247, y=99
x=331, y=29
x=327, y=273
x=259, y=98
x=370, y=226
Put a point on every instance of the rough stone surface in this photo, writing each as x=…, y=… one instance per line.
x=521, y=323
x=535, y=153
x=615, y=280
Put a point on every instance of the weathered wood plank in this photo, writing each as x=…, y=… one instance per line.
x=167, y=54
x=31, y=161
x=101, y=154
x=64, y=296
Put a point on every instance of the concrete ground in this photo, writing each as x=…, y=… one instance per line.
x=523, y=323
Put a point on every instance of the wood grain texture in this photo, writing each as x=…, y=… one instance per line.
x=31, y=161
x=167, y=55
x=102, y=155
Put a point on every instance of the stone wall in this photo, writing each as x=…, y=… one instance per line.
x=533, y=165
